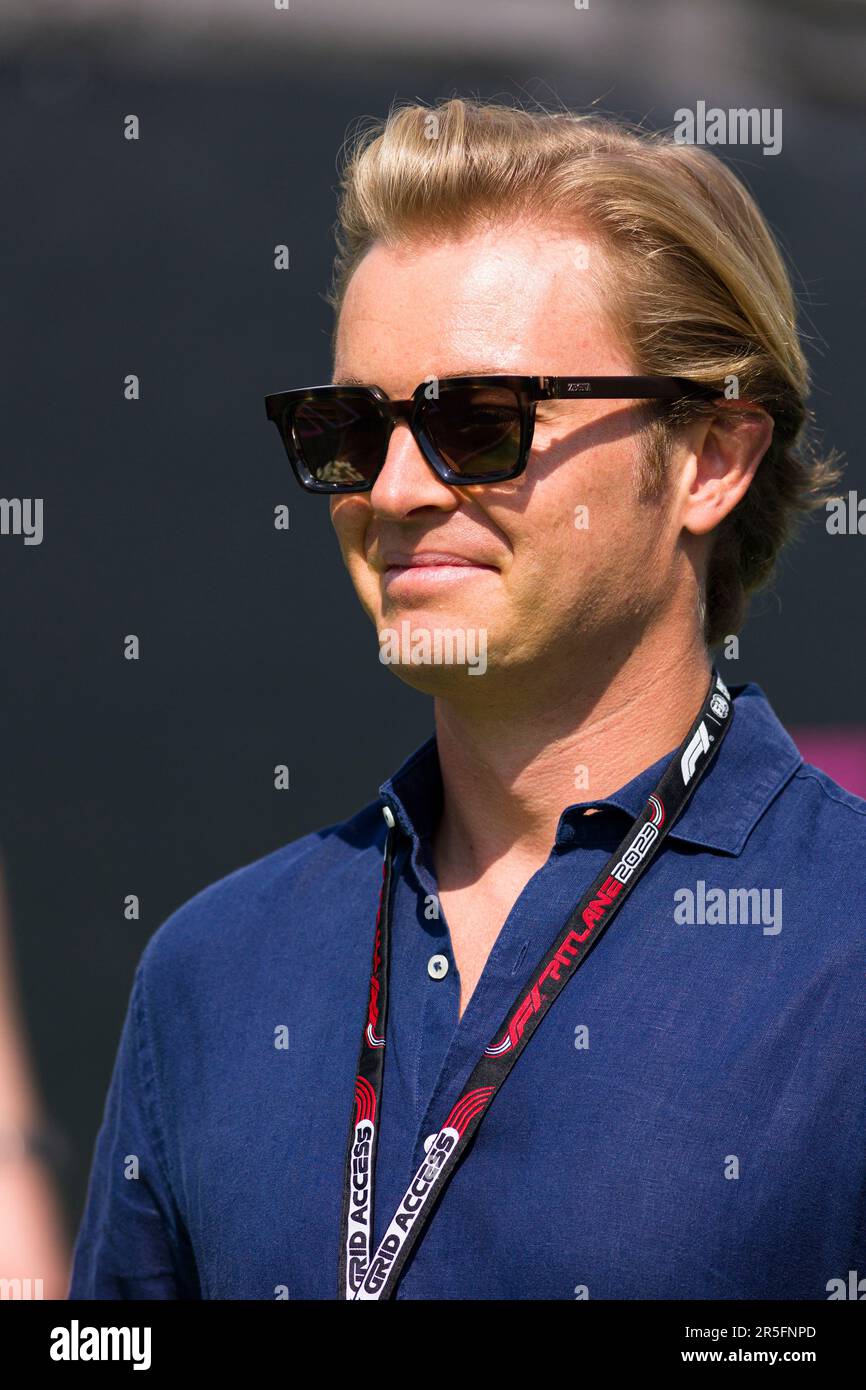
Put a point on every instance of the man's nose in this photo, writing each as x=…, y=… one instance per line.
x=407, y=481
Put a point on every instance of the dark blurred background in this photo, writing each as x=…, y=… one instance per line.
x=155, y=257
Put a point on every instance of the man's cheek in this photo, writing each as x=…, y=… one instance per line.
x=365, y=580
x=350, y=537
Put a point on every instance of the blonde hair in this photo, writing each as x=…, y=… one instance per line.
x=698, y=287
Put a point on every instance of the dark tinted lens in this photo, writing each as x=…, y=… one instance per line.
x=338, y=438
x=475, y=429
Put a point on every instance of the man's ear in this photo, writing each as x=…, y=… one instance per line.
x=725, y=452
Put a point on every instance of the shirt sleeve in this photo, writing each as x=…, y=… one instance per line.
x=132, y=1243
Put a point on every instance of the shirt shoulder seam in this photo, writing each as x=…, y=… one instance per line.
x=805, y=771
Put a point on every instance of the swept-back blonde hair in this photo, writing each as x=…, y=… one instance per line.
x=698, y=287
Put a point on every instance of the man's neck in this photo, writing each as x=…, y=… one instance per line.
x=509, y=768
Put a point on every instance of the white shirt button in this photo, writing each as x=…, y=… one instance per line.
x=437, y=967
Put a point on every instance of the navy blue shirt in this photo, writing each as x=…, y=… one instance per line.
x=687, y=1122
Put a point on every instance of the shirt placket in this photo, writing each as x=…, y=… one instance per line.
x=531, y=925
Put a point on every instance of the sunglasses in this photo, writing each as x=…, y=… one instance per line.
x=470, y=429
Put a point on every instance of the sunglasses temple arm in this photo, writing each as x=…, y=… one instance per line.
x=620, y=388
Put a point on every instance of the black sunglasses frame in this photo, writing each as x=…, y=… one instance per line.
x=528, y=391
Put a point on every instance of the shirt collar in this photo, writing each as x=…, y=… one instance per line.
x=755, y=761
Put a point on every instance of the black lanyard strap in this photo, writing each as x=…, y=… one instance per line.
x=365, y=1274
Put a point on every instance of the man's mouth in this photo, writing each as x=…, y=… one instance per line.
x=431, y=567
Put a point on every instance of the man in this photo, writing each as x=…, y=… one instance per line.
x=592, y=1027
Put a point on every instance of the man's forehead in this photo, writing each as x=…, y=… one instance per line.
x=481, y=267
x=477, y=305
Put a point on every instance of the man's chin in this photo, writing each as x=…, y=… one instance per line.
x=442, y=682
x=430, y=651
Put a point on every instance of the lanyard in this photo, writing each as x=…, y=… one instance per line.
x=365, y=1274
